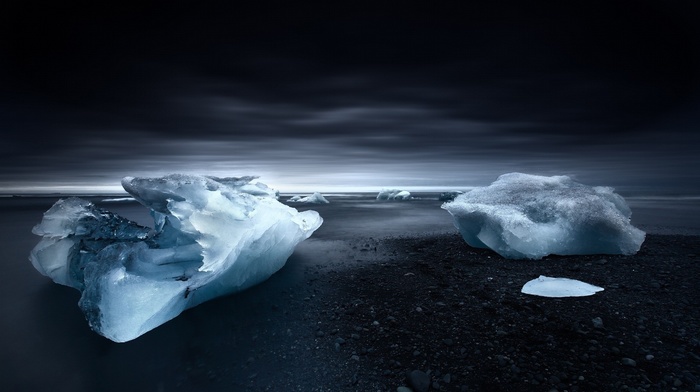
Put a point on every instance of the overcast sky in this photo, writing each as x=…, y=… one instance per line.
x=351, y=98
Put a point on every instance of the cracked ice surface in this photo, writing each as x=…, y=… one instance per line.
x=212, y=237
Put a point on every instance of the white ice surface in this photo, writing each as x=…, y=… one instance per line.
x=315, y=198
x=559, y=287
x=527, y=216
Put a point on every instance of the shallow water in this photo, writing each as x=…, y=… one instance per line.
x=47, y=344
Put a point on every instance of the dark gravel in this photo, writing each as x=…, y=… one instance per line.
x=433, y=314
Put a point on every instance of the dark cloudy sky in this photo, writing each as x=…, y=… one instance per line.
x=351, y=97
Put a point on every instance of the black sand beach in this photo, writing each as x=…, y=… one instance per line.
x=431, y=313
x=437, y=312
x=382, y=296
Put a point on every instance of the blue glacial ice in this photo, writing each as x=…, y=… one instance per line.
x=523, y=216
x=211, y=237
x=315, y=198
x=393, y=194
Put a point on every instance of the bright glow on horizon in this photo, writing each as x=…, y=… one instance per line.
x=62, y=189
x=285, y=190
x=306, y=188
x=290, y=190
x=305, y=182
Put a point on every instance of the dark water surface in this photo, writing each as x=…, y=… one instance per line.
x=47, y=344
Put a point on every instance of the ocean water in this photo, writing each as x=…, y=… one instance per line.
x=47, y=344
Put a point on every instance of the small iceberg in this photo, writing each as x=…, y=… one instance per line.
x=393, y=194
x=523, y=216
x=316, y=198
x=559, y=287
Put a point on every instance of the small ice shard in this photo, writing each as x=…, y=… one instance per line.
x=527, y=216
x=316, y=198
x=211, y=237
x=393, y=194
x=559, y=287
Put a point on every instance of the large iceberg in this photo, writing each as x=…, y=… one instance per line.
x=393, y=194
x=528, y=216
x=211, y=237
x=315, y=198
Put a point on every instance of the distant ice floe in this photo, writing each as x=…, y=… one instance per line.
x=315, y=198
x=118, y=200
x=393, y=194
x=449, y=195
x=528, y=216
x=211, y=237
x=559, y=287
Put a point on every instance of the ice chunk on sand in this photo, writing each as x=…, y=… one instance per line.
x=559, y=287
x=316, y=198
x=393, y=194
x=211, y=237
x=528, y=216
